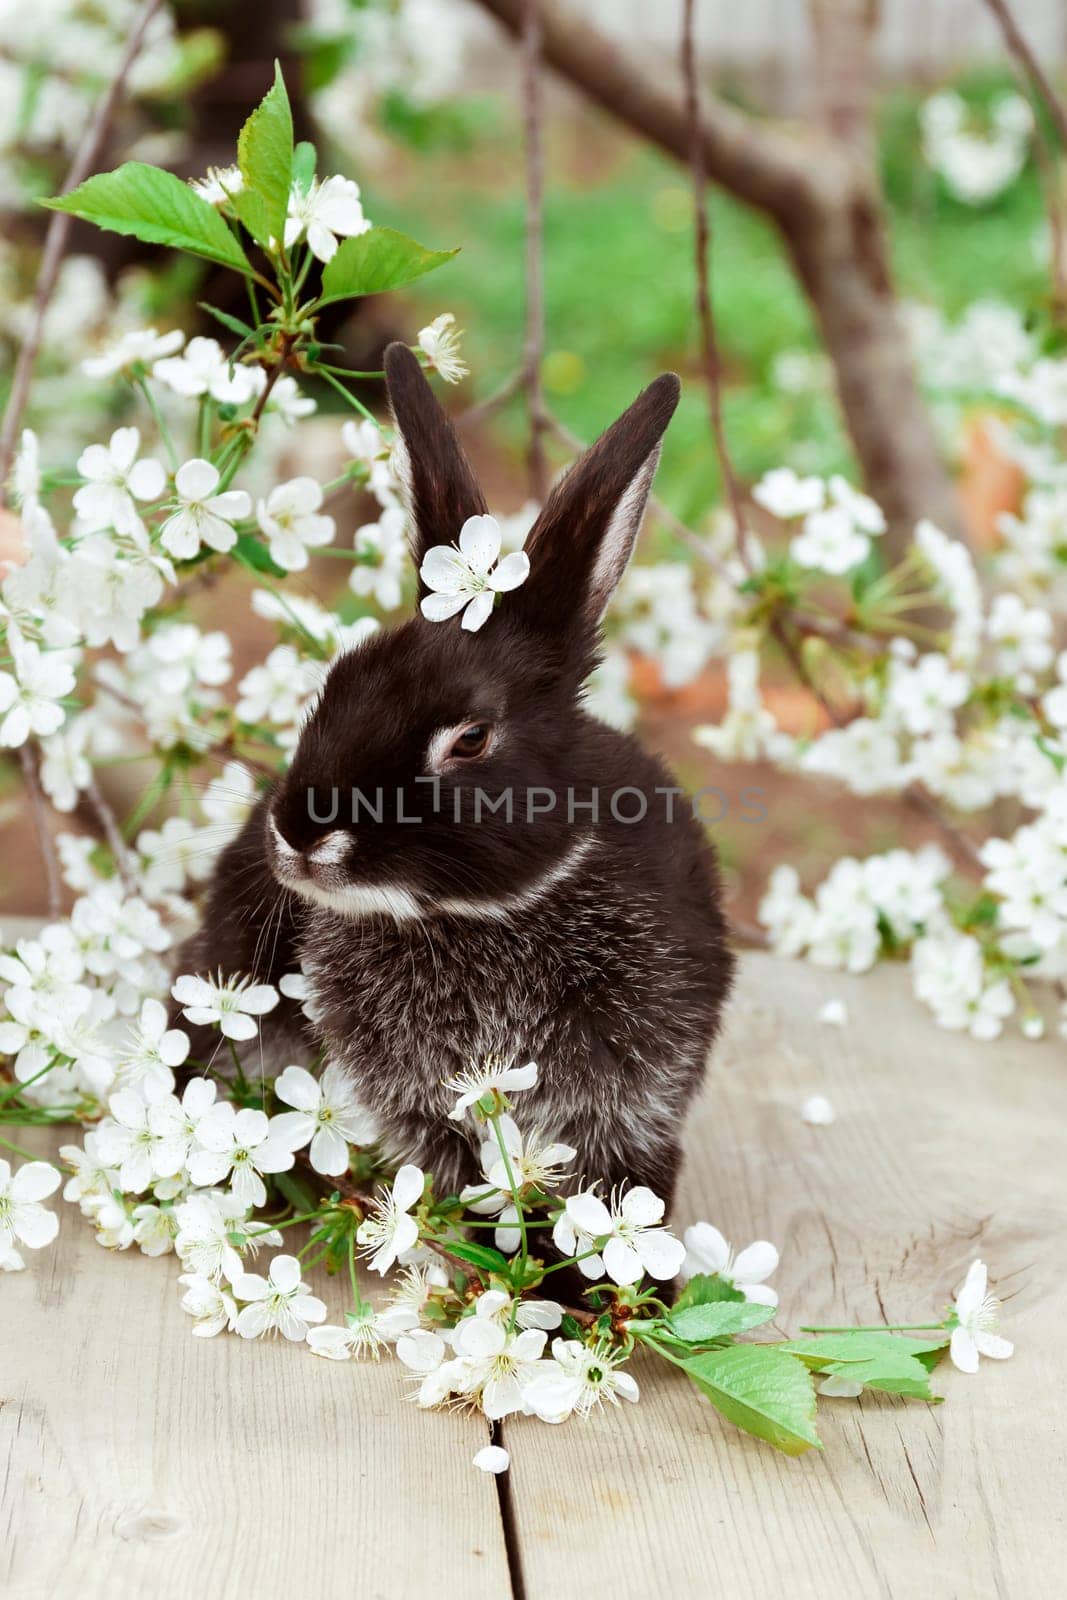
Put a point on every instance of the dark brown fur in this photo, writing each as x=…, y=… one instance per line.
x=596, y=949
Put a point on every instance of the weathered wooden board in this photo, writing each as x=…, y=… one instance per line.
x=139, y=1460
x=944, y=1149
x=136, y=1460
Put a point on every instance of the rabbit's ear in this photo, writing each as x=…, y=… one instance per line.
x=584, y=537
x=439, y=487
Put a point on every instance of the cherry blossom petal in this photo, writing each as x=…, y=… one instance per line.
x=755, y=1262
x=439, y=607
x=511, y=572
x=642, y=1207
x=589, y=1213
x=478, y=612
x=196, y=479
x=35, y=1181
x=991, y=1344
x=963, y=1350
x=407, y=1187
x=622, y=1261
x=479, y=541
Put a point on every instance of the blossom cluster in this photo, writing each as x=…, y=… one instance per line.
x=190, y=1173
x=976, y=161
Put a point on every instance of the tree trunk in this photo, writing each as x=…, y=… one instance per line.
x=824, y=198
x=841, y=259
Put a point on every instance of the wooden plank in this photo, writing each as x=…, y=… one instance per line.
x=943, y=1150
x=138, y=1460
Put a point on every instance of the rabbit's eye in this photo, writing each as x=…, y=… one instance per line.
x=472, y=741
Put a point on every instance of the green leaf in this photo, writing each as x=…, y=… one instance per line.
x=861, y=1345
x=299, y=1196
x=154, y=206
x=716, y=1319
x=706, y=1289
x=253, y=554
x=479, y=1255
x=900, y=1374
x=235, y=325
x=375, y=261
x=265, y=157
x=304, y=162
x=762, y=1390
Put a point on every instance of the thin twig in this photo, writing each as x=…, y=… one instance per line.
x=1039, y=84
x=533, y=349
x=710, y=356
x=484, y=409
x=124, y=861
x=55, y=244
x=1017, y=45
x=31, y=777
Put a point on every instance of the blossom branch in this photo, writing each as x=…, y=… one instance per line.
x=31, y=777
x=1020, y=49
x=55, y=245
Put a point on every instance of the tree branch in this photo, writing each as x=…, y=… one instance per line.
x=1020, y=49
x=709, y=347
x=55, y=244
x=533, y=349
x=31, y=777
x=766, y=165
x=824, y=197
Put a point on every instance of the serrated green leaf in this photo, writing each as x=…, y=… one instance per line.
x=154, y=206
x=375, y=261
x=762, y=1390
x=899, y=1374
x=861, y=1345
x=253, y=554
x=235, y=325
x=716, y=1319
x=706, y=1288
x=479, y=1255
x=265, y=157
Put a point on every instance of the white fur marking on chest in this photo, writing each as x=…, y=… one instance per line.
x=508, y=905
x=360, y=900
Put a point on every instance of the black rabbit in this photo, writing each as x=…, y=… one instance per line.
x=562, y=933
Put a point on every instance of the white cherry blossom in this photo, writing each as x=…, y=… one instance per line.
x=321, y=213
x=23, y=1220
x=707, y=1251
x=114, y=479
x=280, y=1303
x=439, y=343
x=493, y=1076
x=469, y=578
x=977, y=1313
x=203, y=517
x=392, y=1230
x=139, y=348
x=634, y=1240
x=238, y=1147
x=328, y=1114
x=582, y=1379
x=29, y=698
x=232, y=1006
x=364, y=1333
x=291, y=519
x=204, y=368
